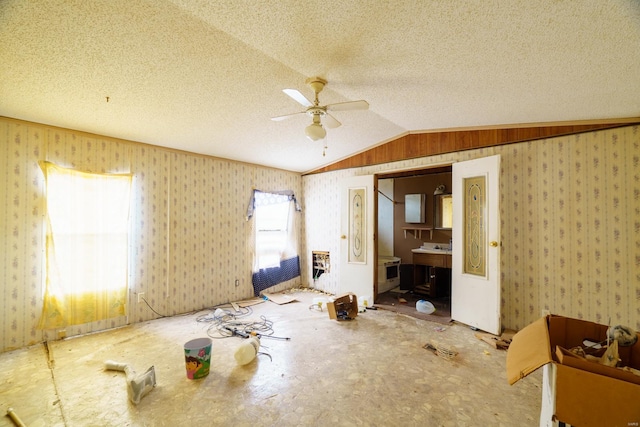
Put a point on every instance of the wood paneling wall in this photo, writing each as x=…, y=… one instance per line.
x=428, y=144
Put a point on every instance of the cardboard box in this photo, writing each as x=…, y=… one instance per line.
x=582, y=393
x=343, y=307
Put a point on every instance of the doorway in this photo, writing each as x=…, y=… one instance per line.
x=395, y=240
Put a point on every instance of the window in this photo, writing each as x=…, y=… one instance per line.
x=86, y=246
x=276, y=256
x=272, y=224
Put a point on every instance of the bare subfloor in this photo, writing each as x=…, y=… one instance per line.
x=370, y=371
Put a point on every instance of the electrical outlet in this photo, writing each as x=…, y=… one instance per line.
x=237, y=283
x=140, y=296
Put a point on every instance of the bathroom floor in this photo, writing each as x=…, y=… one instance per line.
x=370, y=371
x=405, y=303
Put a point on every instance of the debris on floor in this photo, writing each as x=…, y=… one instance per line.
x=507, y=335
x=498, y=342
x=138, y=386
x=15, y=418
x=441, y=350
x=246, y=352
x=280, y=298
x=319, y=303
x=425, y=307
x=310, y=290
x=343, y=307
x=228, y=322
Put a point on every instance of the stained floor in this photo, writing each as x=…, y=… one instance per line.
x=370, y=371
x=405, y=303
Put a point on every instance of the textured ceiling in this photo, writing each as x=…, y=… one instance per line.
x=206, y=76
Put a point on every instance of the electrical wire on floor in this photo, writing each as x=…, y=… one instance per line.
x=225, y=324
x=219, y=314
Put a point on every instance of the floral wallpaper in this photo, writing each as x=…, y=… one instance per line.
x=21, y=235
x=570, y=225
x=190, y=241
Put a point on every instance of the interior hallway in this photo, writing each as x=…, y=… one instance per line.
x=371, y=371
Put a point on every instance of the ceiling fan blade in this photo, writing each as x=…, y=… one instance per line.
x=331, y=121
x=286, y=116
x=350, y=105
x=297, y=96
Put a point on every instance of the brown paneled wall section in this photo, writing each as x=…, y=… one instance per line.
x=416, y=145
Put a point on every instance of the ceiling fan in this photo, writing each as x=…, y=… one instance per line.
x=318, y=113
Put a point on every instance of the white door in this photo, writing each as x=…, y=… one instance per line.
x=475, y=275
x=357, y=250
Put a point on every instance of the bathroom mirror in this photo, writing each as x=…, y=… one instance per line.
x=414, y=208
x=443, y=211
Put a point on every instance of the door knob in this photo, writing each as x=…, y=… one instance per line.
x=343, y=237
x=493, y=243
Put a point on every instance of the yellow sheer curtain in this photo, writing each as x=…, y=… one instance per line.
x=86, y=246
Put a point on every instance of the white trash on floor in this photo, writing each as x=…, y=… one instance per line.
x=425, y=307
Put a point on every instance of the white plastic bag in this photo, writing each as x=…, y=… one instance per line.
x=425, y=307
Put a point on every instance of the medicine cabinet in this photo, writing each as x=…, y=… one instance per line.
x=414, y=208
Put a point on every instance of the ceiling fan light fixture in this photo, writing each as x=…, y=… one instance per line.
x=315, y=131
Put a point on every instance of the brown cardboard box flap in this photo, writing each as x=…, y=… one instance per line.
x=528, y=351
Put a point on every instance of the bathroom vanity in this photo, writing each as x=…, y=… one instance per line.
x=432, y=272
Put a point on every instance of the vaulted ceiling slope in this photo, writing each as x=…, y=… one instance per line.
x=206, y=76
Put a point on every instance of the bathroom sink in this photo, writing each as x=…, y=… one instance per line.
x=431, y=251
